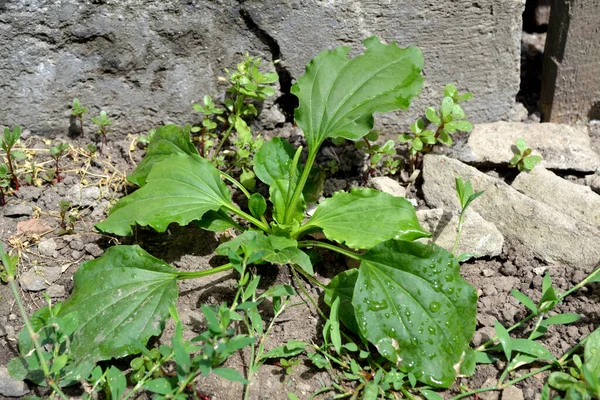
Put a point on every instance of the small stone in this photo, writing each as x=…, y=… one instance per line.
x=11, y=387
x=29, y=193
x=83, y=196
x=18, y=210
x=593, y=181
x=387, y=185
x=33, y=227
x=540, y=270
x=77, y=244
x=12, y=317
x=47, y=247
x=508, y=269
x=99, y=210
x=56, y=291
x=483, y=335
x=94, y=249
x=37, y=279
x=76, y=255
x=512, y=393
x=487, y=272
x=491, y=395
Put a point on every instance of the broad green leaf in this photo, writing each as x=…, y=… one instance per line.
x=279, y=291
x=417, y=144
x=450, y=90
x=278, y=196
x=592, y=352
x=257, y=205
x=464, y=126
x=457, y=112
x=364, y=218
x=290, y=349
x=116, y=382
x=561, y=381
x=274, y=249
x=121, y=299
x=160, y=385
x=530, y=162
x=532, y=348
x=181, y=188
x=447, y=105
x=342, y=287
x=216, y=221
x=445, y=138
x=166, y=141
x=411, y=302
x=230, y=374
x=338, y=95
x=273, y=160
x=521, y=145
x=432, y=115
x=469, y=362
x=561, y=319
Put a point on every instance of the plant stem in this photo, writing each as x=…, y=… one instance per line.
x=236, y=183
x=493, y=340
x=261, y=224
x=12, y=171
x=206, y=272
x=314, y=243
x=34, y=338
x=312, y=155
x=81, y=124
x=458, y=230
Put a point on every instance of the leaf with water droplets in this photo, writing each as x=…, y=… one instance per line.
x=121, y=299
x=412, y=304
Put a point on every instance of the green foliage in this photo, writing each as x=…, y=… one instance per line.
x=78, y=110
x=406, y=299
x=465, y=194
x=523, y=159
x=5, y=180
x=383, y=155
x=57, y=152
x=68, y=217
x=103, y=123
x=582, y=381
x=449, y=118
x=7, y=142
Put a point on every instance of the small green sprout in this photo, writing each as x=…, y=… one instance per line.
x=103, y=122
x=7, y=142
x=207, y=131
x=449, y=118
x=56, y=152
x=465, y=194
x=379, y=154
x=523, y=159
x=78, y=111
x=4, y=183
x=92, y=149
x=68, y=217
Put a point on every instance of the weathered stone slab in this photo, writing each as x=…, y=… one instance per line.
x=550, y=235
x=575, y=200
x=562, y=147
x=571, y=79
x=146, y=64
x=444, y=30
x=478, y=236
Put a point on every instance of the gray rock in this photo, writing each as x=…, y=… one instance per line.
x=550, y=235
x=18, y=210
x=55, y=291
x=94, y=249
x=512, y=393
x=76, y=243
x=147, y=65
x=80, y=196
x=388, y=185
x=11, y=387
x=47, y=247
x=563, y=147
x=37, y=279
x=478, y=237
x=593, y=181
x=575, y=200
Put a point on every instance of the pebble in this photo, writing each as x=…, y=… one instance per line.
x=18, y=210
x=77, y=244
x=512, y=393
x=94, y=249
x=37, y=279
x=56, y=291
x=47, y=247
x=387, y=185
x=11, y=387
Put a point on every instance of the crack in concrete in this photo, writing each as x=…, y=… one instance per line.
x=287, y=102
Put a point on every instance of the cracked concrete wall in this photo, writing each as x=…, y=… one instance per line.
x=146, y=62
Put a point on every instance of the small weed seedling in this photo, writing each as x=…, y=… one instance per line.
x=583, y=378
x=68, y=217
x=382, y=301
x=57, y=152
x=449, y=118
x=465, y=194
x=4, y=183
x=78, y=112
x=523, y=159
x=103, y=123
x=379, y=154
x=7, y=142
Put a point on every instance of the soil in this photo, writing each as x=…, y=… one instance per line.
x=190, y=248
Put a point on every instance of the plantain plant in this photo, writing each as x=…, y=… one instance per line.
x=408, y=300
